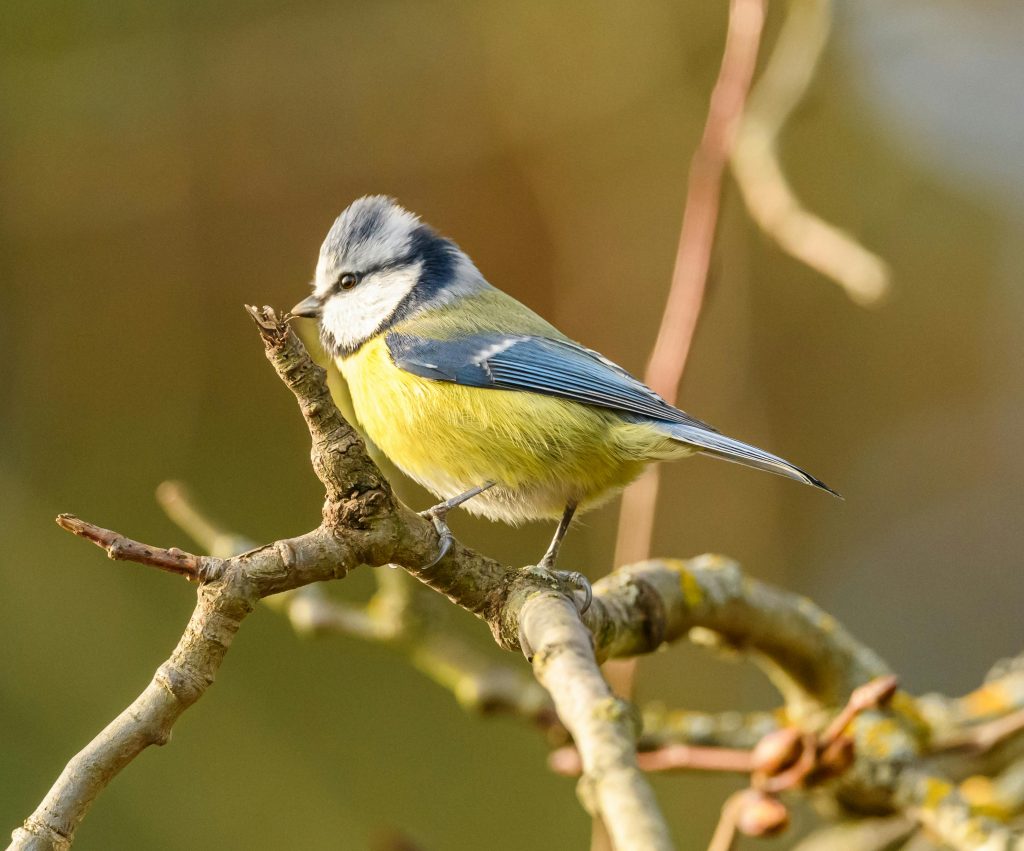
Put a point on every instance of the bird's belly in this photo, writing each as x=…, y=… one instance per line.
x=542, y=452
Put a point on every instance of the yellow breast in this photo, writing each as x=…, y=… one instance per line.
x=541, y=451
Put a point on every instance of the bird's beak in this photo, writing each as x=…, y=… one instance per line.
x=308, y=307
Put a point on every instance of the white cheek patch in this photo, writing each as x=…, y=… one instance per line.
x=353, y=316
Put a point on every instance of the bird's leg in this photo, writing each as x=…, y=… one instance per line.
x=571, y=576
x=551, y=556
x=439, y=512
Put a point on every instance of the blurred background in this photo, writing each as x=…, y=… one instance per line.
x=163, y=163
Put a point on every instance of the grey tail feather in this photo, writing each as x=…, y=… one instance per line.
x=719, y=446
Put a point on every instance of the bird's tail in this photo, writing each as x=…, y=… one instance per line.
x=719, y=446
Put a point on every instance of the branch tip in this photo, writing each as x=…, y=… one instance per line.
x=119, y=548
x=272, y=328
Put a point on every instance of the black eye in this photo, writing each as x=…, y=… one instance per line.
x=348, y=280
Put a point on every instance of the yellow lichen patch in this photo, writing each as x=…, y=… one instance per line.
x=935, y=791
x=878, y=740
x=982, y=794
x=905, y=706
x=617, y=710
x=988, y=700
x=692, y=593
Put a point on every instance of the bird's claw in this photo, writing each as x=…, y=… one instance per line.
x=581, y=583
x=445, y=538
x=572, y=577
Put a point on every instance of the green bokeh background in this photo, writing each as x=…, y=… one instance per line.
x=162, y=164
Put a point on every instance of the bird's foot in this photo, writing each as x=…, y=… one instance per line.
x=581, y=584
x=436, y=515
x=572, y=577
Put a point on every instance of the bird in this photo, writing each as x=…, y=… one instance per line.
x=476, y=397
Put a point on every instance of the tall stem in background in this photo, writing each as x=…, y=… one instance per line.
x=686, y=294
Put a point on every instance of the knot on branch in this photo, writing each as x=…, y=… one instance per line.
x=358, y=510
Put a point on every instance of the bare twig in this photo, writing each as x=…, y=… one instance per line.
x=982, y=737
x=740, y=730
x=120, y=548
x=693, y=255
x=868, y=696
x=725, y=831
x=176, y=500
x=566, y=760
x=755, y=161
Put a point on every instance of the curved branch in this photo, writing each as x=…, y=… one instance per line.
x=813, y=660
x=770, y=199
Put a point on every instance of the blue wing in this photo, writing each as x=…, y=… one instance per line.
x=537, y=364
x=569, y=371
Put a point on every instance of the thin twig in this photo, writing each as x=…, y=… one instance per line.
x=871, y=695
x=671, y=758
x=741, y=730
x=693, y=254
x=174, y=498
x=770, y=199
x=982, y=737
x=725, y=831
x=119, y=548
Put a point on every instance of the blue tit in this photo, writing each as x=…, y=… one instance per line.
x=475, y=396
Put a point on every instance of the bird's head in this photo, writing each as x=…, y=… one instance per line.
x=378, y=265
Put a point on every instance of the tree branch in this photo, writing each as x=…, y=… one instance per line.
x=363, y=523
x=770, y=199
x=603, y=726
x=664, y=727
x=120, y=548
x=939, y=806
x=814, y=661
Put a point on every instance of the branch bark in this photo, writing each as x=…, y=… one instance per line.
x=814, y=661
x=363, y=523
